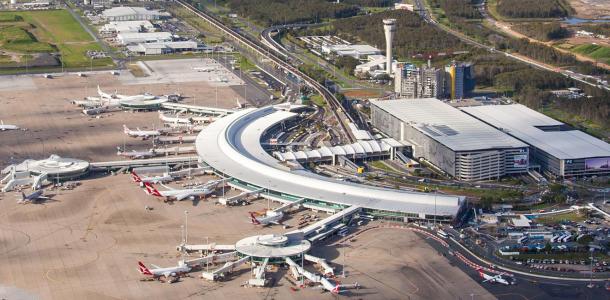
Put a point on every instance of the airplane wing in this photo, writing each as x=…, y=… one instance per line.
x=167, y=187
x=182, y=196
x=155, y=266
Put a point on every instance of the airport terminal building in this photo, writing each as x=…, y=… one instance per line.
x=560, y=150
x=232, y=147
x=449, y=139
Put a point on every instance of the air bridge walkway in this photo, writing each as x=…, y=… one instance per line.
x=120, y=164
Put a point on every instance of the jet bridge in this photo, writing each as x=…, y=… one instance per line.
x=259, y=274
x=212, y=259
x=204, y=247
x=227, y=268
x=330, y=220
x=235, y=199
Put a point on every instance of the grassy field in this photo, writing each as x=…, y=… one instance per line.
x=601, y=53
x=556, y=219
x=48, y=31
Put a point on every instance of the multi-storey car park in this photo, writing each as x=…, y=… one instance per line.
x=560, y=150
x=449, y=139
x=232, y=147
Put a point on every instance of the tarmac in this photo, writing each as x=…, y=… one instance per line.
x=184, y=70
x=55, y=126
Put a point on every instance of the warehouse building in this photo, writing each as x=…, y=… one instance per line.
x=130, y=38
x=449, y=139
x=125, y=13
x=163, y=48
x=127, y=26
x=560, y=150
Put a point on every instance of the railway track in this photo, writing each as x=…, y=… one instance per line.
x=329, y=97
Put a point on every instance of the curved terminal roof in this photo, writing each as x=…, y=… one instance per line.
x=232, y=146
x=53, y=166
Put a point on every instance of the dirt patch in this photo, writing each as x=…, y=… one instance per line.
x=591, y=9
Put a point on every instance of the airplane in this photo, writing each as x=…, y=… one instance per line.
x=136, y=154
x=337, y=288
x=270, y=217
x=107, y=96
x=33, y=197
x=204, y=69
x=144, y=134
x=157, y=272
x=222, y=79
x=496, y=278
x=150, y=179
x=175, y=120
x=181, y=194
x=4, y=127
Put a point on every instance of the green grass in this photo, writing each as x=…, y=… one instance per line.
x=556, y=219
x=318, y=100
x=381, y=165
x=49, y=31
x=9, y=17
x=76, y=55
x=598, y=52
x=56, y=26
x=17, y=39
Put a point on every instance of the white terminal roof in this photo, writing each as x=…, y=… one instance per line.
x=448, y=125
x=144, y=35
x=357, y=149
x=129, y=26
x=127, y=10
x=523, y=123
x=232, y=146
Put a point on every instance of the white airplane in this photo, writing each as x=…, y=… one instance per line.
x=140, y=133
x=181, y=194
x=136, y=154
x=157, y=272
x=496, y=278
x=150, y=179
x=123, y=97
x=4, y=127
x=270, y=217
x=337, y=288
x=175, y=120
x=33, y=197
x=204, y=69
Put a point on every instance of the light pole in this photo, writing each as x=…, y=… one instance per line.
x=186, y=230
x=590, y=285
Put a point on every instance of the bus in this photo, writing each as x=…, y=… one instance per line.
x=523, y=239
x=442, y=234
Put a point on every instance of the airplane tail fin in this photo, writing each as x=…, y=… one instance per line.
x=1, y=122
x=135, y=177
x=23, y=196
x=253, y=219
x=152, y=190
x=336, y=289
x=125, y=129
x=143, y=269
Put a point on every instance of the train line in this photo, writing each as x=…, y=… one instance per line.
x=329, y=97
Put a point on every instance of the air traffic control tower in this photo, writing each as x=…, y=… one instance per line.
x=389, y=27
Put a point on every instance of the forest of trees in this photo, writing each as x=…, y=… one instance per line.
x=457, y=8
x=533, y=8
x=412, y=34
x=271, y=12
x=543, y=31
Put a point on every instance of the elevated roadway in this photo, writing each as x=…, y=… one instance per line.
x=329, y=97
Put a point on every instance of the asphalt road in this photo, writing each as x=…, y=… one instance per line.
x=525, y=287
